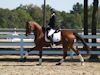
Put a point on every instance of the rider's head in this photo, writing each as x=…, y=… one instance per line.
x=52, y=11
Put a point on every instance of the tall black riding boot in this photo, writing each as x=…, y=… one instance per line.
x=50, y=37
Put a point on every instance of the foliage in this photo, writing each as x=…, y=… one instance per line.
x=16, y=18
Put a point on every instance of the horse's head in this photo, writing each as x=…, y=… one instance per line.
x=29, y=27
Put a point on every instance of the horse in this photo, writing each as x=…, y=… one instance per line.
x=67, y=41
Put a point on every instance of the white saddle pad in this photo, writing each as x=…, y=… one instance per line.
x=56, y=37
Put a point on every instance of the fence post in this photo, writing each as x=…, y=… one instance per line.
x=71, y=54
x=21, y=47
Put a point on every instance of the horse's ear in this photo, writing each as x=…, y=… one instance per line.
x=27, y=22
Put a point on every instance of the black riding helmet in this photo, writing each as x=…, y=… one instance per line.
x=52, y=10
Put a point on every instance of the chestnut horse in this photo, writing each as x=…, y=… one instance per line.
x=67, y=41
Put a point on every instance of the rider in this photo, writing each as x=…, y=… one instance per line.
x=51, y=24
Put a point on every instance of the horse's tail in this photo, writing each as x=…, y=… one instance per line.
x=78, y=37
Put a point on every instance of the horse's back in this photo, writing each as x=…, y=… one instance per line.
x=67, y=33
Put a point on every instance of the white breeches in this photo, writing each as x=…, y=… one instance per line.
x=51, y=32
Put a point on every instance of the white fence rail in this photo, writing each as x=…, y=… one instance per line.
x=15, y=42
x=21, y=42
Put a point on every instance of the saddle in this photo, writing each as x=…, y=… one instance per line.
x=56, y=36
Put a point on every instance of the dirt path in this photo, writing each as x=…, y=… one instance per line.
x=10, y=65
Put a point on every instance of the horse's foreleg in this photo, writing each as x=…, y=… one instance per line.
x=40, y=57
x=80, y=56
x=26, y=54
x=29, y=50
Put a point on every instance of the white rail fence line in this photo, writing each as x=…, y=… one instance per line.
x=15, y=42
x=21, y=42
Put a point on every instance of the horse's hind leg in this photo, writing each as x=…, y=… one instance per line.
x=80, y=56
x=65, y=48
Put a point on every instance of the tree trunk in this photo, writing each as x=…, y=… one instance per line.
x=44, y=14
x=93, y=27
x=86, y=18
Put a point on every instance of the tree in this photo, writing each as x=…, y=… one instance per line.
x=85, y=23
x=17, y=17
x=36, y=13
x=94, y=23
x=5, y=16
x=77, y=8
x=23, y=16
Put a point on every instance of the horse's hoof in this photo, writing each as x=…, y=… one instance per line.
x=58, y=64
x=38, y=64
x=24, y=58
x=82, y=63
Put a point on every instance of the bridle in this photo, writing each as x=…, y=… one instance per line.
x=28, y=28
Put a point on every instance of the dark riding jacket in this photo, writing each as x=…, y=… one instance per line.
x=52, y=21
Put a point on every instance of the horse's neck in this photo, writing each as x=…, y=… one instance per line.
x=38, y=30
x=38, y=27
